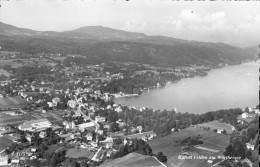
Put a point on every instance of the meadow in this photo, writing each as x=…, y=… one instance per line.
x=217, y=125
x=79, y=152
x=172, y=149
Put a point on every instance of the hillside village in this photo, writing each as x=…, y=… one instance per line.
x=61, y=112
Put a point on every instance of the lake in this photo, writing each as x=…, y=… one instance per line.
x=228, y=87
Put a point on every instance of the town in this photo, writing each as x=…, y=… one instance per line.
x=58, y=110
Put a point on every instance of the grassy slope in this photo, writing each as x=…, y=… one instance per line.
x=169, y=147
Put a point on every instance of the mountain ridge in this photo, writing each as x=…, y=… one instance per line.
x=87, y=32
x=123, y=46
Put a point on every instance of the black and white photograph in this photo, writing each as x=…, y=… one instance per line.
x=129, y=83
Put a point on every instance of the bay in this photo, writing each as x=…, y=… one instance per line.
x=224, y=88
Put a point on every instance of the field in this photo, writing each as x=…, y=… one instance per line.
x=6, y=119
x=4, y=143
x=214, y=144
x=5, y=73
x=79, y=152
x=12, y=63
x=12, y=102
x=217, y=125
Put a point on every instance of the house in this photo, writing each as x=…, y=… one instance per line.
x=100, y=119
x=51, y=104
x=107, y=127
x=15, y=162
x=70, y=138
x=118, y=109
x=120, y=123
x=220, y=131
x=250, y=146
x=245, y=115
x=87, y=125
x=257, y=111
x=33, y=150
x=94, y=144
x=109, y=153
x=69, y=125
x=210, y=161
x=35, y=125
x=101, y=132
x=139, y=128
x=89, y=136
x=42, y=134
x=241, y=122
x=72, y=103
x=109, y=145
x=28, y=138
x=109, y=107
x=108, y=140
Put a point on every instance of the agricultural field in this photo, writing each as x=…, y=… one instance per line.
x=4, y=143
x=79, y=152
x=12, y=102
x=213, y=144
x=12, y=119
x=217, y=125
x=13, y=63
x=5, y=73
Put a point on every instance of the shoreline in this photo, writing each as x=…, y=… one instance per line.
x=169, y=83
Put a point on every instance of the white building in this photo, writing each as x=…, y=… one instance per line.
x=72, y=103
x=89, y=136
x=220, y=130
x=69, y=125
x=118, y=109
x=245, y=115
x=83, y=126
x=42, y=134
x=100, y=119
x=250, y=146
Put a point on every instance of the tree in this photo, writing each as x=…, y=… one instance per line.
x=244, y=164
x=239, y=148
x=54, y=160
x=238, y=164
x=117, y=141
x=229, y=151
x=114, y=127
x=249, y=154
x=112, y=116
x=161, y=157
x=252, y=131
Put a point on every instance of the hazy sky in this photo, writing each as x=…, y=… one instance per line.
x=222, y=21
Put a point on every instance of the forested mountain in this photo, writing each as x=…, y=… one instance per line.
x=102, y=44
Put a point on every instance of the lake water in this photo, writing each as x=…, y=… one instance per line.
x=228, y=87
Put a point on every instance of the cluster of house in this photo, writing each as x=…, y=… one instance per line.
x=250, y=112
x=247, y=114
x=18, y=158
